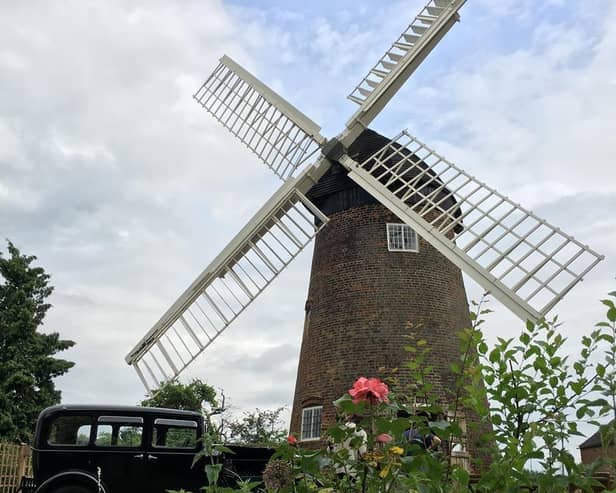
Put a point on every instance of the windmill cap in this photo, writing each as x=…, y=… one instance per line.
x=335, y=191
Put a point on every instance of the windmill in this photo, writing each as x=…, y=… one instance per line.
x=395, y=225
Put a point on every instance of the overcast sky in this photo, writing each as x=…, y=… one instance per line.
x=126, y=189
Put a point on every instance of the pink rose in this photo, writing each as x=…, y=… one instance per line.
x=291, y=440
x=383, y=438
x=372, y=390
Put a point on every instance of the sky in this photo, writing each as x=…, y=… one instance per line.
x=125, y=189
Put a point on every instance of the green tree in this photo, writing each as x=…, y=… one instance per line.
x=606, y=371
x=27, y=362
x=194, y=396
x=262, y=426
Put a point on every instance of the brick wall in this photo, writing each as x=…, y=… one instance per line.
x=589, y=455
x=364, y=300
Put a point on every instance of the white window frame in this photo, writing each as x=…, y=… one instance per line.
x=460, y=442
x=409, y=237
x=305, y=438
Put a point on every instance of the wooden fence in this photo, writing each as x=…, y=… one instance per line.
x=15, y=462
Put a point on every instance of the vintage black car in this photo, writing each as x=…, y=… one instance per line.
x=116, y=449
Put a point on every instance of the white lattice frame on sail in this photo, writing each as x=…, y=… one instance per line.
x=277, y=132
x=227, y=286
x=525, y=262
x=402, y=58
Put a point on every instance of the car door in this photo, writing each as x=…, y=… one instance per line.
x=120, y=455
x=170, y=455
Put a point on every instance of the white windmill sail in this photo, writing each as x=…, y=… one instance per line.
x=526, y=263
x=277, y=132
x=275, y=235
x=401, y=60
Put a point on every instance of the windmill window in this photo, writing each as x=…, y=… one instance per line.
x=401, y=238
x=311, y=423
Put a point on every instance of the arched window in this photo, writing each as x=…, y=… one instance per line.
x=311, y=423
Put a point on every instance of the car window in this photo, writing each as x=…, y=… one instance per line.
x=118, y=432
x=83, y=434
x=174, y=433
x=70, y=430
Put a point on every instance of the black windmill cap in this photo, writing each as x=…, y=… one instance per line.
x=368, y=143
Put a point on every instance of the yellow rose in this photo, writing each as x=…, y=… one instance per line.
x=396, y=450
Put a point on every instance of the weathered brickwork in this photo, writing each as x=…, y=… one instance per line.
x=364, y=301
x=591, y=454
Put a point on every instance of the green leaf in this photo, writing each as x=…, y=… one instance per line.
x=540, y=364
x=212, y=472
x=461, y=476
x=345, y=404
x=601, y=370
x=495, y=355
x=578, y=367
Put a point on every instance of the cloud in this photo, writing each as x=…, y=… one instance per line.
x=109, y=171
x=534, y=121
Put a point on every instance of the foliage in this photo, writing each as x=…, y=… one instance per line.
x=529, y=396
x=606, y=372
x=381, y=459
x=27, y=362
x=261, y=426
x=219, y=478
x=537, y=394
x=194, y=396
x=606, y=375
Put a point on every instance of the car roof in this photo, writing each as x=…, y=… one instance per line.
x=106, y=408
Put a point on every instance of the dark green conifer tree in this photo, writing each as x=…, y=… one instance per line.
x=27, y=362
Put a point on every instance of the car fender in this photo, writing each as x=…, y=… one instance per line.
x=81, y=478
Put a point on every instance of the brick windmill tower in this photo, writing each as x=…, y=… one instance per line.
x=395, y=223
x=372, y=280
